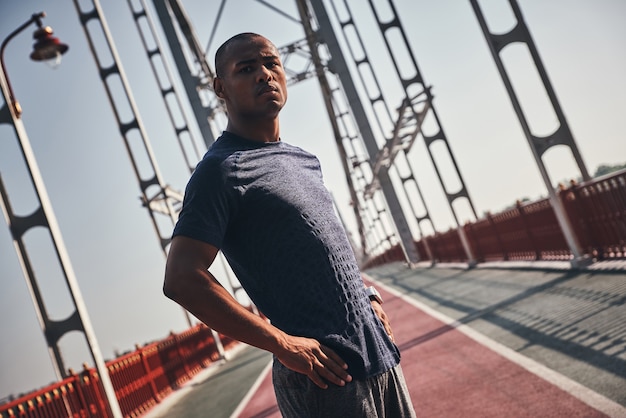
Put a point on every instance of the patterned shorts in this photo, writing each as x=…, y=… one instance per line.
x=385, y=395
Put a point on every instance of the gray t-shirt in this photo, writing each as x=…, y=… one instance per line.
x=266, y=207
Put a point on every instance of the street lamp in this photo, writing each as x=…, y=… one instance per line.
x=46, y=48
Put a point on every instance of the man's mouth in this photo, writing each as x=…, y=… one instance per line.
x=267, y=89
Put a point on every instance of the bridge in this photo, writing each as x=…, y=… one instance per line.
x=555, y=254
x=530, y=340
x=500, y=339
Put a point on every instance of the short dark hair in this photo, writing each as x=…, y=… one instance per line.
x=220, y=54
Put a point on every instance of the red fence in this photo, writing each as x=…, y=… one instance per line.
x=140, y=379
x=596, y=210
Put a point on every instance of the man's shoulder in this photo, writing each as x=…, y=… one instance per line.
x=222, y=144
x=298, y=152
x=218, y=152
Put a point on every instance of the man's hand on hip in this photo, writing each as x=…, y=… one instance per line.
x=378, y=309
x=318, y=362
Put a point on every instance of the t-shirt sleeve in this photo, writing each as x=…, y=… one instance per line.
x=208, y=205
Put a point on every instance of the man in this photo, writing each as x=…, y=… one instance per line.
x=263, y=203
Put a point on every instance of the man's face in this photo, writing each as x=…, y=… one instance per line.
x=252, y=83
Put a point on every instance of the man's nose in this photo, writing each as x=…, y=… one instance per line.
x=264, y=74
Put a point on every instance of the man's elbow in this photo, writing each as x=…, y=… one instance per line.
x=171, y=287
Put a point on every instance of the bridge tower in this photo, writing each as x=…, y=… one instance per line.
x=520, y=35
x=375, y=158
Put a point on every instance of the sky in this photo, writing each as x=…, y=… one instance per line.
x=94, y=193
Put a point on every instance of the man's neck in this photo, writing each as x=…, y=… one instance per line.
x=261, y=132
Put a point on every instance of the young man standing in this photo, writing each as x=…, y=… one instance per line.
x=262, y=202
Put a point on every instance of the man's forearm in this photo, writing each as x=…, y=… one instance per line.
x=210, y=302
x=205, y=298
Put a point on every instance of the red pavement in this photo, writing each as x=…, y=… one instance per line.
x=450, y=374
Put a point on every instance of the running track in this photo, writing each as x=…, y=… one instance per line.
x=453, y=371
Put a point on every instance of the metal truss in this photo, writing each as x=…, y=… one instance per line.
x=195, y=72
x=43, y=217
x=382, y=212
x=53, y=330
x=152, y=45
x=538, y=145
x=406, y=122
x=160, y=200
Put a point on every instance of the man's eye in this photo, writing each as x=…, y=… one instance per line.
x=246, y=69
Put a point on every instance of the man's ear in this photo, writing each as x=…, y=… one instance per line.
x=218, y=88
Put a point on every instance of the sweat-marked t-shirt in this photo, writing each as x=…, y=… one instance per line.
x=266, y=207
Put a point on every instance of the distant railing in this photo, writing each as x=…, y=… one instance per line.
x=530, y=231
x=141, y=379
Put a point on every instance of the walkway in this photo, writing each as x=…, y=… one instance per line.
x=485, y=342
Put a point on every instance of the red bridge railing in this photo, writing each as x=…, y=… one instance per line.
x=530, y=231
x=141, y=379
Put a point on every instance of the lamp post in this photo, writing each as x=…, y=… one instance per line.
x=46, y=47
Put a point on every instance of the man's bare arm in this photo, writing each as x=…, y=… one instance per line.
x=189, y=283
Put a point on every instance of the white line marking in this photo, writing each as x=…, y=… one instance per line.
x=161, y=409
x=251, y=391
x=583, y=393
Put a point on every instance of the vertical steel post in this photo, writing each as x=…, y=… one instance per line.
x=163, y=199
x=203, y=114
x=341, y=68
x=538, y=145
x=44, y=216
